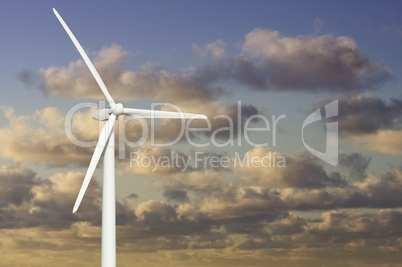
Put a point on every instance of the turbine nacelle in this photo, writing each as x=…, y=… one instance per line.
x=118, y=109
x=104, y=113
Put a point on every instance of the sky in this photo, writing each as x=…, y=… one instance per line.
x=256, y=184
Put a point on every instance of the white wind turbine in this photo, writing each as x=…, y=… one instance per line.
x=106, y=144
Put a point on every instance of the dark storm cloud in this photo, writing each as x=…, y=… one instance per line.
x=365, y=114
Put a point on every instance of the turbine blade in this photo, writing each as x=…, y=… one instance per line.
x=91, y=67
x=144, y=113
x=100, y=147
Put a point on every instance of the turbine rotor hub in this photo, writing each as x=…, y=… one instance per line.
x=118, y=109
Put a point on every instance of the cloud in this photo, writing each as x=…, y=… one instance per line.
x=367, y=114
x=152, y=212
x=15, y=185
x=77, y=81
x=178, y=195
x=356, y=163
x=204, y=181
x=306, y=64
x=223, y=125
x=384, y=141
x=54, y=198
x=317, y=23
x=28, y=77
x=27, y=201
x=370, y=122
x=290, y=224
x=132, y=196
x=229, y=217
x=217, y=50
x=195, y=92
x=215, y=239
x=264, y=216
x=359, y=223
x=61, y=190
x=150, y=82
x=299, y=171
x=382, y=191
x=334, y=233
x=267, y=61
x=40, y=137
x=233, y=117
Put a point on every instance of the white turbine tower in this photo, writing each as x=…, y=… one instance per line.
x=106, y=144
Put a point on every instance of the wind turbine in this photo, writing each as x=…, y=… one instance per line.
x=106, y=145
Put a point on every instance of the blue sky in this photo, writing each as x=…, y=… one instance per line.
x=277, y=58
